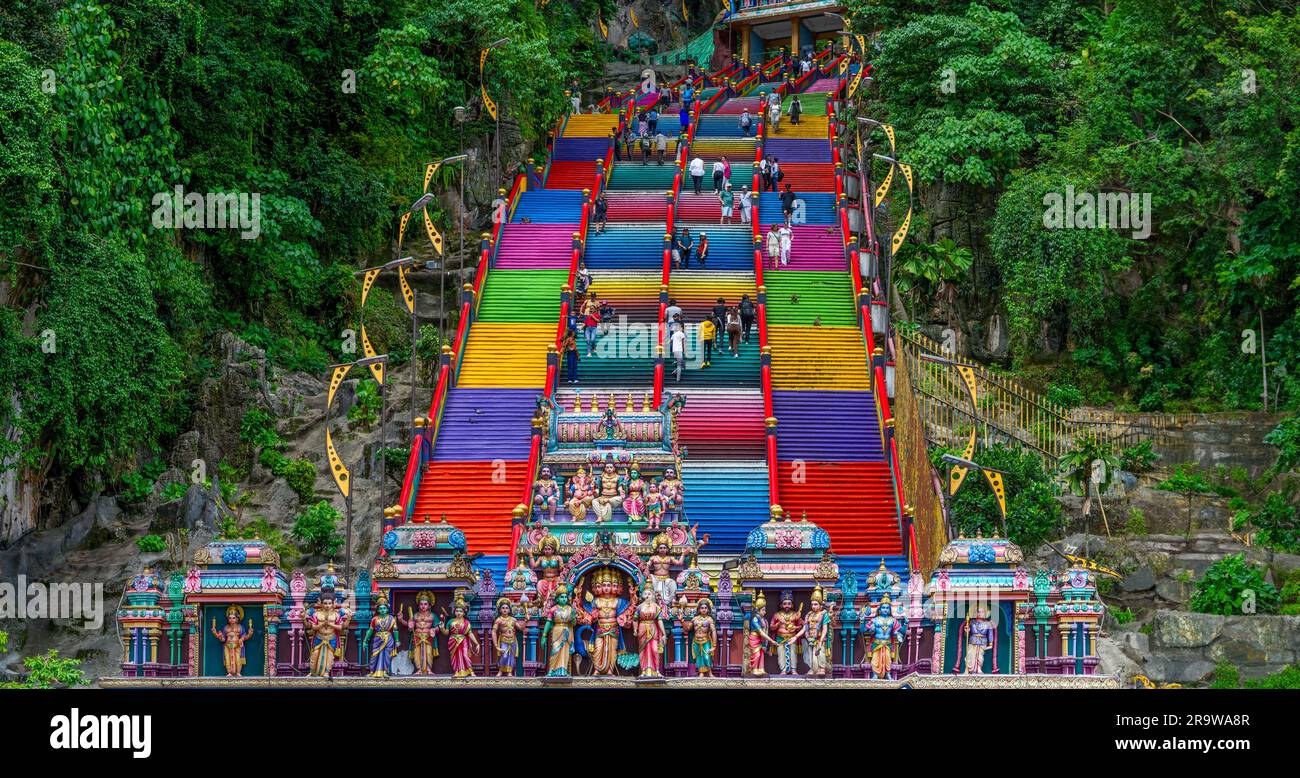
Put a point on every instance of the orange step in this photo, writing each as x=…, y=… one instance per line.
x=478, y=497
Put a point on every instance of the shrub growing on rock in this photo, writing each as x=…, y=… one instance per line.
x=1232, y=586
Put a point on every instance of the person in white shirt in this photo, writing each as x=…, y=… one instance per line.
x=786, y=236
x=678, y=348
x=773, y=245
x=697, y=174
x=746, y=122
x=776, y=118
x=672, y=311
x=746, y=205
x=719, y=173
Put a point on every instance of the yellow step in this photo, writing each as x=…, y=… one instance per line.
x=818, y=358
x=506, y=355
x=590, y=125
x=812, y=127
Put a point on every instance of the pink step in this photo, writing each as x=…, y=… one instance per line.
x=814, y=248
x=536, y=246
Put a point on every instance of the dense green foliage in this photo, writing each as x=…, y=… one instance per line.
x=1007, y=101
x=317, y=529
x=1232, y=586
x=328, y=114
x=1033, y=514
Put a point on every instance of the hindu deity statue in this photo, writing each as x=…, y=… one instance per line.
x=756, y=638
x=786, y=627
x=704, y=636
x=547, y=565
x=608, y=493
x=607, y=614
x=647, y=621
x=462, y=643
x=424, y=625
x=382, y=638
x=817, y=635
x=546, y=493
x=672, y=489
x=558, y=632
x=506, y=631
x=654, y=506
x=233, y=637
x=609, y=427
x=581, y=492
x=324, y=624
x=979, y=631
x=885, y=631
x=633, y=490
x=661, y=564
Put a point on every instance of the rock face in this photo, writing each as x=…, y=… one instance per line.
x=1186, y=646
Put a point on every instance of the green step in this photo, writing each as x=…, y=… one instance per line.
x=824, y=294
x=814, y=104
x=612, y=371
x=634, y=176
x=522, y=296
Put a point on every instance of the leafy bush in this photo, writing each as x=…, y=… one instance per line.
x=175, y=490
x=1286, y=679
x=1278, y=524
x=151, y=544
x=257, y=429
x=1229, y=584
x=316, y=529
x=299, y=473
x=1122, y=615
x=1226, y=676
x=1137, y=522
x=1286, y=437
x=1065, y=395
x=45, y=671
x=138, y=486
x=1033, y=514
x=1291, y=595
x=365, y=410
x=1139, y=458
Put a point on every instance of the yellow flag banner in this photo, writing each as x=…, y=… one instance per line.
x=408, y=294
x=377, y=368
x=488, y=105
x=889, y=133
x=685, y=17
x=901, y=234
x=401, y=230
x=428, y=173
x=883, y=189
x=368, y=282
x=844, y=66
x=604, y=31
x=857, y=81
x=999, y=491
x=342, y=478
x=968, y=376
x=862, y=45
x=631, y=12
x=958, y=472
x=435, y=237
x=335, y=380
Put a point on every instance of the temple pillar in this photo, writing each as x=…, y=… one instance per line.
x=743, y=31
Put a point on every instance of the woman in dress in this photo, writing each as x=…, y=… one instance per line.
x=649, y=633
x=462, y=643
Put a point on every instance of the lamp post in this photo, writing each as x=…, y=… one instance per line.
x=442, y=275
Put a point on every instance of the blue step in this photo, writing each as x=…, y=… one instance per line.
x=730, y=248
x=626, y=247
x=549, y=206
x=721, y=126
x=579, y=149
x=818, y=208
x=727, y=500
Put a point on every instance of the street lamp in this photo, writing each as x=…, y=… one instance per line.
x=492, y=109
x=442, y=283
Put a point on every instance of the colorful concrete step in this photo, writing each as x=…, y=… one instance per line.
x=477, y=496
x=506, y=355
x=642, y=177
x=815, y=247
x=590, y=125
x=572, y=174
x=580, y=148
x=722, y=424
x=818, y=207
x=827, y=425
x=818, y=358
x=808, y=297
x=797, y=149
x=852, y=501
x=536, y=246
x=531, y=296
x=626, y=246
x=548, y=206
x=485, y=424
x=727, y=499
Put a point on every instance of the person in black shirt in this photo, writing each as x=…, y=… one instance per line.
x=719, y=316
x=600, y=212
x=787, y=203
x=747, y=315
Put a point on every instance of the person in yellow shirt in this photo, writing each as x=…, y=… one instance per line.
x=708, y=330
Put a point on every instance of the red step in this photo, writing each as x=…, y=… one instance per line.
x=478, y=497
x=571, y=175
x=852, y=501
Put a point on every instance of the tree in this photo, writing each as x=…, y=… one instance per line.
x=1089, y=469
x=1189, y=483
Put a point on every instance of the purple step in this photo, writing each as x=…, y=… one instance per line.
x=823, y=85
x=815, y=247
x=580, y=148
x=797, y=150
x=536, y=246
x=486, y=424
x=826, y=426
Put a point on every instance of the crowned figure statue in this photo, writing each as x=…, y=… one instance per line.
x=661, y=568
x=546, y=493
x=757, y=639
x=817, y=635
x=382, y=639
x=704, y=636
x=424, y=625
x=546, y=560
x=462, y=643
x=507, y=630
x=324, y=624
x=885, y=632
x=582, y=491
x=558, y=633
x=979, y=634
x=233, y=637
x=786, y=628
x=607, y=612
